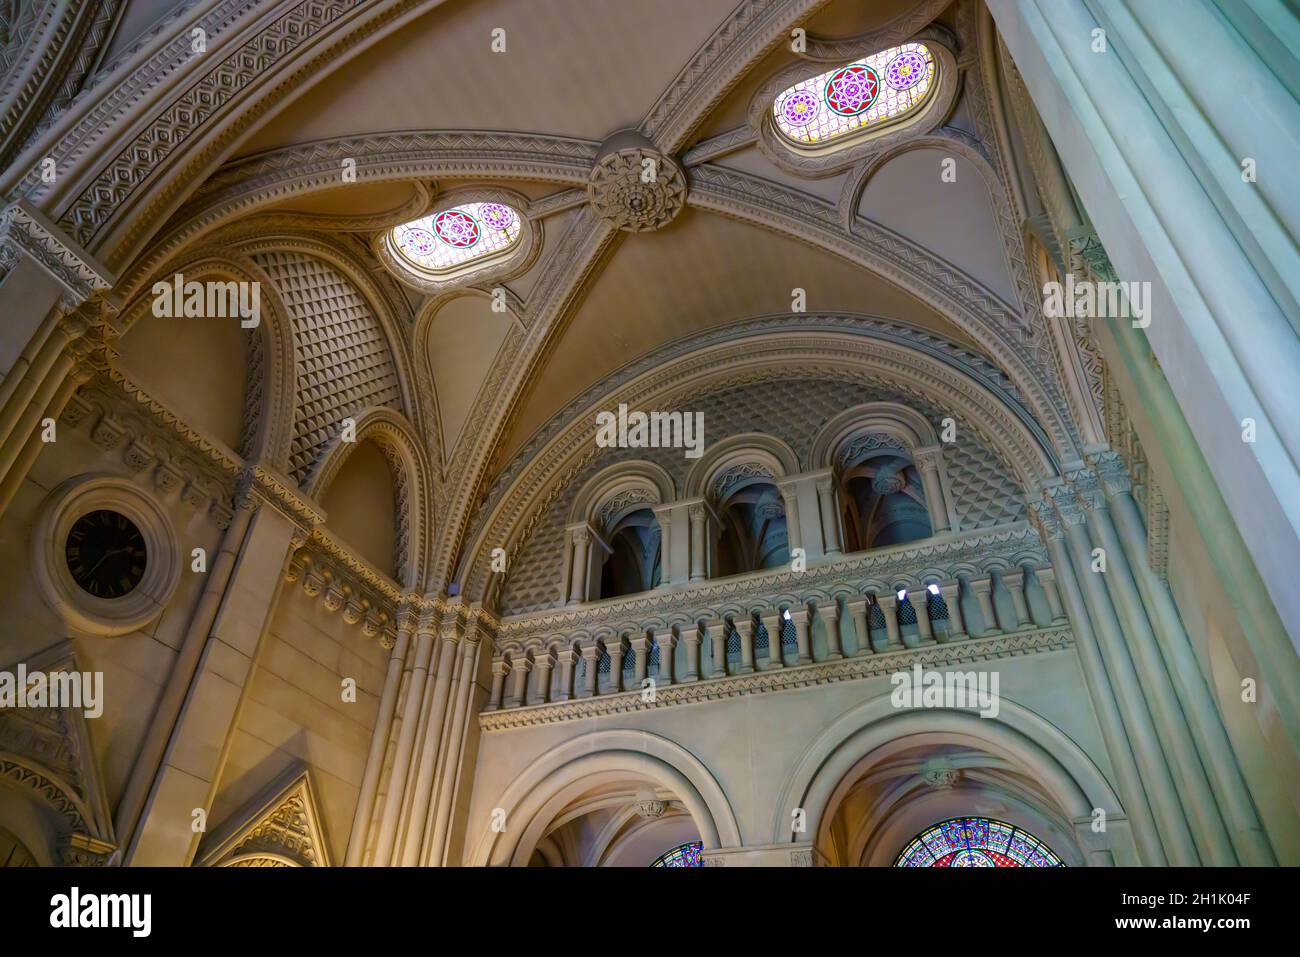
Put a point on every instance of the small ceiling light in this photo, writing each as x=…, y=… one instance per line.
x=934, y=589
x=786, y=614
x=902, y=593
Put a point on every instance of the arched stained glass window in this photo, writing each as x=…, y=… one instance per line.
x=685, y=855
x=442, y=241
x=866, y=93
x=976, y=842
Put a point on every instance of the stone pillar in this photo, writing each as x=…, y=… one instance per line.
x=500, y=668
x=790, y=497
x=802, y=639
x=1015, y=584
x=519, y=668
x=826, y=500
x=566, y=657
x=1047, y=579
x=664, y=516
x=983, y=590
x=829, y=613
x=921, y=605
x=861, y=626
x=641, y=656
x=433, y=744
x=951, y=592
x=591, y=679
x=744, y=625
x=928, y=462
x=665, y=643
x=772, y=623
x=543, y=661
x=889, y=608
x=581, y=538
x=698, y=520
x=692, y=638
x=717, y=634
x=378, y=744
x=448, y=772
x=403, y=753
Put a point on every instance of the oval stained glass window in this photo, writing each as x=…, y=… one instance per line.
x=976, y=842
x=684, y=855
x=877, y=89
x=449, y=238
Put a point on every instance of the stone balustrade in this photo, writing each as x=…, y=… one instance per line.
x=952, y=588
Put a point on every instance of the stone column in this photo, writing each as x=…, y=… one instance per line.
x=889, y=608
x=951, y=592
x=448, y=773
x=499, y=671
x=829, y=613
x=790, y=497
x=744, y=625
x=1193, y=692
x=378, y=745
x=433, y=745
x=641, y=655
x=1015, y=583
x=1047, y=578
x=928, y=461
x=921, y=605
x=983, y=590
x=519, y=668
x=861, y=626
x=403, y=753
x=717, y=634
x=698, y=520
x=1129, y=689
x=664, y=516
x=544, y=661
x=591, y=679
x=581, y=538
x=692, y=638
x=665, y=643
x=566, y=657
x=826, y=500
x=773, y=622
x=802, y=639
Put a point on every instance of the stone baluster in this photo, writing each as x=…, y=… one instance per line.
x=519, y=668
x=861, y=626
x=500, y=669
x=717, y=633
x=641, y=656
x=744, y=625
x=543, y=661
x=566, y=658
x=802, y=638
x=691, y=636
x=951, y=592
x=591, y=658
x=829, y=612
x=772, y=622
x=1047, y=579
x=1015, y=583
x=665, y=643
x=889, y=608
x=614, y=648
x=921, y=605
x=983, y=589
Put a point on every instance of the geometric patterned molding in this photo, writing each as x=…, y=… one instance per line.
x=48, y=750
x=282, y=827
x=344, y=365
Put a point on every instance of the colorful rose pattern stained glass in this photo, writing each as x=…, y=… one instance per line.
x=884, y=86
x=452, y=237
x=686, y=855
x=976, y=842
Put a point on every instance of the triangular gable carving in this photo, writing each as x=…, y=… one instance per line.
x=48, y=750
x=282, y=827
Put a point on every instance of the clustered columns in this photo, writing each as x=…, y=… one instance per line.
x=828, y=503
x=1175, y=768
x=419, y=734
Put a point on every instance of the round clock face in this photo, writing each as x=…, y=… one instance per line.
x=106, y=554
